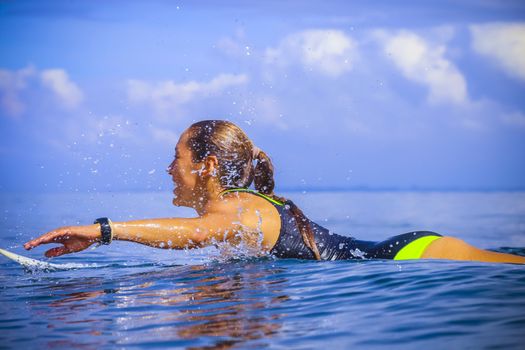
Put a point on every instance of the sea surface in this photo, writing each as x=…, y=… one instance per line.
x=132, y=296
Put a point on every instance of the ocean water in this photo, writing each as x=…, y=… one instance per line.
x=135, y=296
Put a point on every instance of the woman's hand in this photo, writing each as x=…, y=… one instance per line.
x=73, y=238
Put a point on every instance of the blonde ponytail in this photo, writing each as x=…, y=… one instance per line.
x=263, y=173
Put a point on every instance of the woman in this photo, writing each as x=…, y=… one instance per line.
x=215, y=163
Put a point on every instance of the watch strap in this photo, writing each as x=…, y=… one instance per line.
x=105, y=230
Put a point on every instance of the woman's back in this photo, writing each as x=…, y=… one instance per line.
x=332, y=246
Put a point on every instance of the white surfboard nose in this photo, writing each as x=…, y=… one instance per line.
x=34, y=264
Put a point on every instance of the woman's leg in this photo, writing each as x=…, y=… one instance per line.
x=455, y=249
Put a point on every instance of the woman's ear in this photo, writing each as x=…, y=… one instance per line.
x=211, y=166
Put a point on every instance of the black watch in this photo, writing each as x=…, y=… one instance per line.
x=105, y=230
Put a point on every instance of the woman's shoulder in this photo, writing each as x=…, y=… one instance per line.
x=241, y=204
x=251, y=212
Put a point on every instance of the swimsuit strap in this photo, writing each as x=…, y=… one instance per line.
x=251, y=191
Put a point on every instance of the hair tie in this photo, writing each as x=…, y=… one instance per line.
x=255, y=152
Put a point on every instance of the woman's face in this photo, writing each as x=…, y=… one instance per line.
x=185, y=174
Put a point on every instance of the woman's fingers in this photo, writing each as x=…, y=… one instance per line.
x=46, y=238
x=57, y=236
x=51, y=253
x=72, y=238
x=68, y=247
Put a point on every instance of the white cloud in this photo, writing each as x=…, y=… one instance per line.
x=14, y=83
x=425, y=63
x=236, y=46
x=11, y=85
x=230, y=46
x=168, y=96
x=328, y=52
x=67, y=92
x=516, y=119
x=504, y=43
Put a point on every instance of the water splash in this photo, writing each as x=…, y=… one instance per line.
x=246, y=242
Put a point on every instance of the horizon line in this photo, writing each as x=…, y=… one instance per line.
x=296, y=189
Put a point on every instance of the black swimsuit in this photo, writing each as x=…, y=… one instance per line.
x=332, y=246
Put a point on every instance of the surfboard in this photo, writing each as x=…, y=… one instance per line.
x=34, y=264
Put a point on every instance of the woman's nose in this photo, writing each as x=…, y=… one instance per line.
x=169, y=169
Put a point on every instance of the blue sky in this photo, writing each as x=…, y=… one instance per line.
x=341, y=94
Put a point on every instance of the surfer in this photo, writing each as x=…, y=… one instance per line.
x=215, y=163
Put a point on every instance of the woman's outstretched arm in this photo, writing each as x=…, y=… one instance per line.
x=174, y=233
x=170, y=233
x=455, y=249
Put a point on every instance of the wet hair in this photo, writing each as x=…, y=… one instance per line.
x=239, y=165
